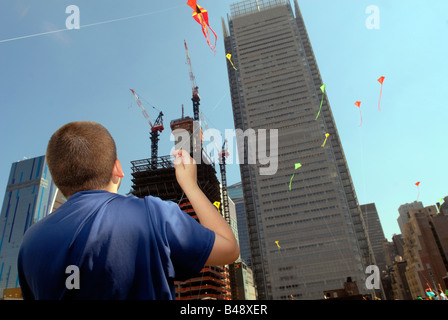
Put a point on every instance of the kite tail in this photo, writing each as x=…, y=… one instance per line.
x=216, y=37
x=323, y=145
x=208, y=37
x=322, y=88
x=379, y=102
x=320, y=107
x=290, y=181
x=361, y=117
x=229, y=58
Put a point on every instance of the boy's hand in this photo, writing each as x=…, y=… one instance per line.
x=225, y=248
x=186, y=172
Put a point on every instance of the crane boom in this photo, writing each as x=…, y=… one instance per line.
x=145, y=114
x=222, y=165
x=194, y=88
x=156, y=129
x=226, y=211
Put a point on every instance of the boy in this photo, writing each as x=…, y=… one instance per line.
x=123, y=247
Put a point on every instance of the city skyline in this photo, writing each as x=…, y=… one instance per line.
x=86, y=74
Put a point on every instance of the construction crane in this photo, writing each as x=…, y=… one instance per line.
x=222, y=154
x=226, y=213
x=156, y=129
x=225, y=197
x=194, y=88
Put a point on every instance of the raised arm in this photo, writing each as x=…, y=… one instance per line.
x=225, y=249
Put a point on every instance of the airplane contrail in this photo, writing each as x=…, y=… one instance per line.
x=88, y=25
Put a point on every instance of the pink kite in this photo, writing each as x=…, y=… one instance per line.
x=380, y=80
x=418, y=187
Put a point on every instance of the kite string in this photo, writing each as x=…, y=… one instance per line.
x=362, y=148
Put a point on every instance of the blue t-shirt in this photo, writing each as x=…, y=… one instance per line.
x=123, y=247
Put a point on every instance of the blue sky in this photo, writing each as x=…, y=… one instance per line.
x=50, y=79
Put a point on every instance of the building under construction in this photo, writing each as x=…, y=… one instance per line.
x=156, y=177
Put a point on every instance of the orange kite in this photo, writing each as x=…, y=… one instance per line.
x=201, y=16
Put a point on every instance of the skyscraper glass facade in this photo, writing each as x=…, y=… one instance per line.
x=29, y=197
x=311, y=237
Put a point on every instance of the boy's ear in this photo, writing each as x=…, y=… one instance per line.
x=117, y=170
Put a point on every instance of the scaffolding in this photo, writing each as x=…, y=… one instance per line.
x=156, y=177
x=250, y=6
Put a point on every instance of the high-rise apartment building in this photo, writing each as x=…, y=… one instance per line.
x=245, y=287
x=394, y=280
x=311, y=237
x=443, y=207
x=30, y=196
x=403, y=213
x=426, y=250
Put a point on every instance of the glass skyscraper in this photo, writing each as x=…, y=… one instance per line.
x=235, y=192
x=309, y=238
x=30, y=196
